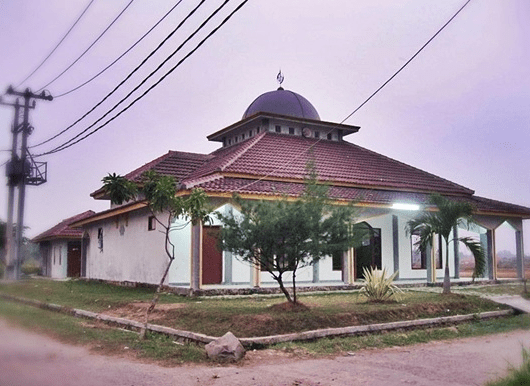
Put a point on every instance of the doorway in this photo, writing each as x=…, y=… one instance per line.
x=368, y=254
x=73, y=267
x=212, y=257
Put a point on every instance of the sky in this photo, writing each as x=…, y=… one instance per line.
x=459, y=110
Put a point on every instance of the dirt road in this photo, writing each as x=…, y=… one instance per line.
x=30, y=359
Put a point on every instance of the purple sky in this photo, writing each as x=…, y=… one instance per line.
x=460, y=110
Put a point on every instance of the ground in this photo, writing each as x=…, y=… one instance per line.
x=27, y=359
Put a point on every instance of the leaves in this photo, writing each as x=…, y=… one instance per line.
x=449, y=214
x=119, y=188
x=378, y=286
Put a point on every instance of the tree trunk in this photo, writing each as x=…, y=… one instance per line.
x=447, y=280
x=154, y=300
x=294, y=287
x=283, y=289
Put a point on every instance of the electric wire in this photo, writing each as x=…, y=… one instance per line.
x=58, y=44
x=292, y=159
x=126, y=78
x=121, y=56
x=65, y=146
x=89, y=47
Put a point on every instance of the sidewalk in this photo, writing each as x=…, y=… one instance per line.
x=517, y=302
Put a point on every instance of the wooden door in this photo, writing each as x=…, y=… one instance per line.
x=212, y=257
x=73, y=268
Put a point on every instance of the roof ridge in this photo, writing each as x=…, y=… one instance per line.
x=242, y=150
x=471, y=191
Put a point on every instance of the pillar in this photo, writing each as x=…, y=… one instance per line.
x=395, y=243
x=519, y=254
x=195, y=279
x=456, y=252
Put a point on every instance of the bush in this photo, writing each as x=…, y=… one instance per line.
x=30, y=267
x=377, y=286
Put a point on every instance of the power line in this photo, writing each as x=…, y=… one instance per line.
x=65, y=146
x=126, y=78
x=149, y=76
x=361, y=105
x=122, y=55
x=89, y=47
x=58, y=44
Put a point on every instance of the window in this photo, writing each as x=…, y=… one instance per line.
x=329, y=136
x=151, y=223
x=229, y=141
x=291, y=130
x=235, y=140
x=257, y=130
x=419, y=257
x=317, y=134
x=250, y=133
x=278, y=129
x=337, y=261
x=100, y=239
x=280, y=262
x=243, y=136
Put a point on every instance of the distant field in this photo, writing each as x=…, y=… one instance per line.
x=502, y=273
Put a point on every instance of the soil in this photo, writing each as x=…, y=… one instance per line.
x=284, y=318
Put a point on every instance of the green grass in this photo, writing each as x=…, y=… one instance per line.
x=248, y=316
x=404, y=338
x=517, y=376
x=99, y=337
x=88, y=295
x=496, y=289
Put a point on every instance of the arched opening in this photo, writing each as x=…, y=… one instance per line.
x=368, y=254
x=506, y=251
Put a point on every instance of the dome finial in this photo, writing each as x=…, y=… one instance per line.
x=280, y=78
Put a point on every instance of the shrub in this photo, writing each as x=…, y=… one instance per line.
x=30, y=267
x=377, y=286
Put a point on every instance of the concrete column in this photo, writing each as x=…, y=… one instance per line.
x=348, y=270
x=395, y=243
x=228, y=267
x=519, y=254
x=456, y=252
x=316, y=272
x=196, y=233
x=431, y=263
x=256, y=276
x=487, y=241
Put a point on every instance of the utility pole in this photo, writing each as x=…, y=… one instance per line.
x=21, y=170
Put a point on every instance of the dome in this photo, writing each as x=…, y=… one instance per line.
x=282, y=102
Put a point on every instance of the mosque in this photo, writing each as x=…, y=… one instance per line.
x=263, y=156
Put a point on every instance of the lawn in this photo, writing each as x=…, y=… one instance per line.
x=244, y=316
x=247, y=316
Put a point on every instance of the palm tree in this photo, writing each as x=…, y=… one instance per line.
x=448, y=215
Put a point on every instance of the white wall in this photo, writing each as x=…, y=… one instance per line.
x=130, y=251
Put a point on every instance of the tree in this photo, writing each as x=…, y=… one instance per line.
x=160, y=194
x=449, y=214
x=282, y=236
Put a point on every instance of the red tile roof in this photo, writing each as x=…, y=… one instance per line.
x=174, y=163
x=270, y=164
x=63, y=229
x=178, y=164
x=286, y=156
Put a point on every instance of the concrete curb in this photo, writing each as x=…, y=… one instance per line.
x=191, y=337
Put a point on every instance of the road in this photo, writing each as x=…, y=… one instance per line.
x=28, y=359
